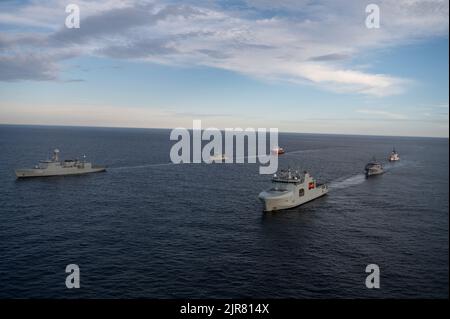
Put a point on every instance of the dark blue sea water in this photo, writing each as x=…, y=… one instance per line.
x=150, y=229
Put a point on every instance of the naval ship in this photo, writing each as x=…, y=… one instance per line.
x=393, y=157
x=291, y=189
x=373, y=168
x=278, y=151
x=218, y=158
x=55, y=167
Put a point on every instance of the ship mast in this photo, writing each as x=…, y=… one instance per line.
x=56, y=155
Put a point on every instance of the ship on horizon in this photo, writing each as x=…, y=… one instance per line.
x=393, y=157
x=373, y=168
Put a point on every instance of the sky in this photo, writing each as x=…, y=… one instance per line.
x=300, y=66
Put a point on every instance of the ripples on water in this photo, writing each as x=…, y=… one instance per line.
x=149, y=228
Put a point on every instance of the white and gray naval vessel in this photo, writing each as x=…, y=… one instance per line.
x=55, y=167
x=373, y=168
x=393, y=157
x=290, y=189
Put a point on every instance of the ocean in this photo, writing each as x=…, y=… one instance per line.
x=148, y=228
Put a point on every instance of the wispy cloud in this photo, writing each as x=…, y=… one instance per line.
x=113, y=116
x=383, y=114
x=330, y=57
x=301, y=41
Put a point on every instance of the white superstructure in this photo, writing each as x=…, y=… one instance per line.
x=291, y=188
x=393, y=157
x=55, y=167
x=217, y=158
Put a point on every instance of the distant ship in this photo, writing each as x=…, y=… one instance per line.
x=218, y=158
x=291, y=189
x=373, y=168
x=55, y=167
x=278, y=150
x=393, y=157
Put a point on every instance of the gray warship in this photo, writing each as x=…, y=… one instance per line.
x=55, y=167
x=374, y=168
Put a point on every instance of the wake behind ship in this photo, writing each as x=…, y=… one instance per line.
x=55, y=167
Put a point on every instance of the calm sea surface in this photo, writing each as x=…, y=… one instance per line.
x=148, y=228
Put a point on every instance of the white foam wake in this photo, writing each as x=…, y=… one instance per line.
x=140, y=166
x=348, y=182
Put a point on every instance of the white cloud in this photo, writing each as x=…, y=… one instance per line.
x=305, y=42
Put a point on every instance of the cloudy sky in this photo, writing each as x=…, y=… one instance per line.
x=299, y=65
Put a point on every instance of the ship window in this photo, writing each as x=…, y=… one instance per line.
x=301, y=192
x=279, y=187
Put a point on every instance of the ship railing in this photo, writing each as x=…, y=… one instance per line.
x=288, y=180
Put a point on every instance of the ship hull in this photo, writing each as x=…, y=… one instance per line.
x=374, y=172
x=29, y=173
x=290, y=199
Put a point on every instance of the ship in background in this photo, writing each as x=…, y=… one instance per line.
x=393, y=157
x=373, y=168
x=55, y=167
x=278, y=150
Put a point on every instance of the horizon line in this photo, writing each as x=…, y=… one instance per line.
x=166, y=128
